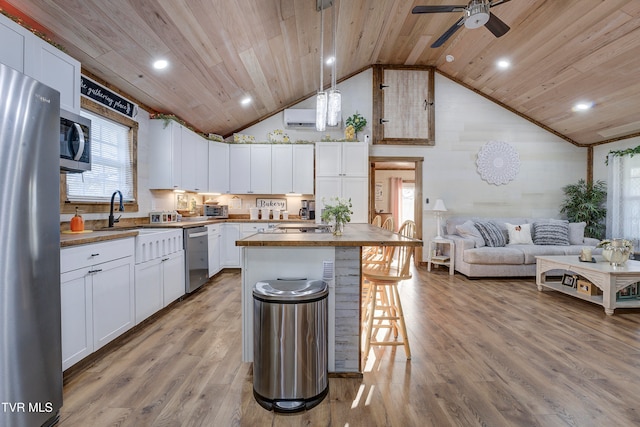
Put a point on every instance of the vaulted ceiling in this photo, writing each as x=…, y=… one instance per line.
x=220, y=51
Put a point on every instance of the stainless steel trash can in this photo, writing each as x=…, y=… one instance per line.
x=290, y=365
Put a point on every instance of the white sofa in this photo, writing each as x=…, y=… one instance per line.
x=474, y=258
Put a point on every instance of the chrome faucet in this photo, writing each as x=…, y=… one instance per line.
x=121, y=208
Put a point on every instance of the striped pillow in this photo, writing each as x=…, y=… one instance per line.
x=491, y=234
x=551, y=233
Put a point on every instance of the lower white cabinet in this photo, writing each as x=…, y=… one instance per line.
x=230, y=253
x=159, y=282
x=97, y=296
x=214, y=239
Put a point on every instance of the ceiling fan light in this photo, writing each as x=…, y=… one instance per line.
x=477, y=14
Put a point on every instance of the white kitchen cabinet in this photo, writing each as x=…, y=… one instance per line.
x=97, y=296
x=342, y=171
x=56, y=69
x=250, y=168
x=342, y=159
x=214, y=238
x=29, y=54
x=230, y=253
x=218, y=167
x=13, y=46
x=113, y=300
x=195, y=162
x=292, y=168
x=165, y=155
x=159, y=282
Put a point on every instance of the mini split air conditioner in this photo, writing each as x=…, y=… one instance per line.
x=300, y=118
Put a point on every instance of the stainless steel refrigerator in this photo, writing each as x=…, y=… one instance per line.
x=30, y=345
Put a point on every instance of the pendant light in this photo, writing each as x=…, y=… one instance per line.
x=321, y=100
x=334, y=115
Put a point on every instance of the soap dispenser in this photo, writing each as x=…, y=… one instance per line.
x=77, y=222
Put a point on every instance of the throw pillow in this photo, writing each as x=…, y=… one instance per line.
x=551, y=233
x=491, y=234
x=576, y=232
x=468, y=230
x=519, y=234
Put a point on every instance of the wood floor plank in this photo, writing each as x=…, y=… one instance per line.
x=490, y=352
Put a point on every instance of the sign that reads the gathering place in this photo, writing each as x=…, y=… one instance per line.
x=104, y=96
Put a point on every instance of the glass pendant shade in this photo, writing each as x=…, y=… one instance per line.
x=334, y=112
x=321, y=111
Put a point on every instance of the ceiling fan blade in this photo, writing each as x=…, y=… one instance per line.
x=496, y=26
x=498, y=2
x=437, y=9
x=443, y=38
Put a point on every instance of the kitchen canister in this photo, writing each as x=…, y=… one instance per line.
x=253, y=213
x=265, y=213
x=285, y=215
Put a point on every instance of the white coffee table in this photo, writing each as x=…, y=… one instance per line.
x=609, y=279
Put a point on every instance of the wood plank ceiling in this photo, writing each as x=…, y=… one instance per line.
x=562, y=52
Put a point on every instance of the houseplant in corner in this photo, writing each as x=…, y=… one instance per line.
x=586, y=202
x=338, y=212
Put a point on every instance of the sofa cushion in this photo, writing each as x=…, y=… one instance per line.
x=551, y=233
x=491, y=234
x=493, y=255
x=576, y=232
x=530, y=252
x=519, y=234
x=468, y=230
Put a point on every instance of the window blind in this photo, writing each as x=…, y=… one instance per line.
x=111, y=163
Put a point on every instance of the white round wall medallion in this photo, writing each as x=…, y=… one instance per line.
x=498, y=162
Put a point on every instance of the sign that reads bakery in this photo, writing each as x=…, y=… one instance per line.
x=104, y=96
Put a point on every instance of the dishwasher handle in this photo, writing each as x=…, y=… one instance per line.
x=204, y=233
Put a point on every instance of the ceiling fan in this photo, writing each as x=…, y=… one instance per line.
x=476, y=14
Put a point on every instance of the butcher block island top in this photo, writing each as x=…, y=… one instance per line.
x=353, y=235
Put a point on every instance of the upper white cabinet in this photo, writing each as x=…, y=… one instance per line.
x=13, y=46
x=292, y=168
x=250, y=168
x=195, y=161
x=342, y=159
x=218, y=167
x=29, y=54
x=342, y=171
x=165, y=155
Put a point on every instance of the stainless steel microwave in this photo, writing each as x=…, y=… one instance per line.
x=216, y=211
x=75, y=143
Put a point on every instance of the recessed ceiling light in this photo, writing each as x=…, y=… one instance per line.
x=160, y=64
x=449, y=58
x=503, y=64
x=330, y=60
x=246, y=101
x=582, y=106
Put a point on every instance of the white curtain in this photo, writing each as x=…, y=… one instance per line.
x=623, y=197
x=395, y=196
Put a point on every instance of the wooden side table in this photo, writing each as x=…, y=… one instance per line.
x=446, y=260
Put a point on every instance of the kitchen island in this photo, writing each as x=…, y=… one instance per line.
x=316, y=255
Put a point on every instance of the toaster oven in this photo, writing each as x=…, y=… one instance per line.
x=216, y=211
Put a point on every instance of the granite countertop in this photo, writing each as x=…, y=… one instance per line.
x=353, y=235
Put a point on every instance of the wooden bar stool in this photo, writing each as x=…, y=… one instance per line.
x=383, y=308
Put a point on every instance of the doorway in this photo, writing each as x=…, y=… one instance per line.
x=395, y=189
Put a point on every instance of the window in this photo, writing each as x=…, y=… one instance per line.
x=113, y=163
x=623, y=197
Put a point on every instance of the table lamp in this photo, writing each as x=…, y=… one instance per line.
x=438, y=209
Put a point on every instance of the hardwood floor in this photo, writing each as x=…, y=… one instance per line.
x=485, y=352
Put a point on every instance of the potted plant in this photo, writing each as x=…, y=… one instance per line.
x=586, y=202
x=354, y=124
x=337, y=212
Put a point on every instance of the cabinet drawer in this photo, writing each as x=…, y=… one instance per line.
x=86, y=255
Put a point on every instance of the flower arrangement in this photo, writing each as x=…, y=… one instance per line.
x=278, y=135
x=357, y=121
x=337, y=211
x=624, y=242
x=616, y=251
x=240, y=138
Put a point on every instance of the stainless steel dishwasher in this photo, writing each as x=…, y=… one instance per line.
x=196, y=257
